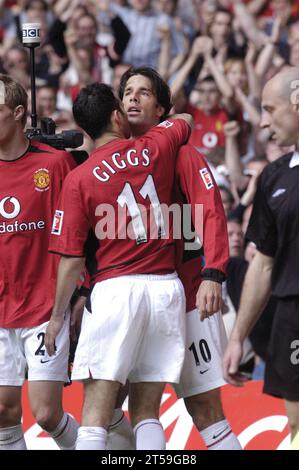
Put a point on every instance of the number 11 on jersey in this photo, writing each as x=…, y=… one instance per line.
x=127, y=198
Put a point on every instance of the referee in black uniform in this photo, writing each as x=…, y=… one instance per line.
x=274, y=228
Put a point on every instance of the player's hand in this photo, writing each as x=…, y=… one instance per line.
x=209, y=298
x=230, y=364
x=52, y=331
x=76, y=317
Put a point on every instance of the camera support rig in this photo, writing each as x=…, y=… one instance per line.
x=66, y=139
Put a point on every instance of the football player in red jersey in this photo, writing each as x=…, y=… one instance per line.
x=137, y=326
x=31, y=178
x=206, y=340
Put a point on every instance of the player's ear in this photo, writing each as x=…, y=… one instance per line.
x=117, y=120
x=19, y=112
x=160, y=110
x=116, y=117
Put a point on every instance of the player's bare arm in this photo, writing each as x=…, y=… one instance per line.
x=68, y=274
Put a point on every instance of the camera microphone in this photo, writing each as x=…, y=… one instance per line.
x=31, y=34
x=31, y=39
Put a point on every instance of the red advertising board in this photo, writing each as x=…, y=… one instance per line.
x=257, y=419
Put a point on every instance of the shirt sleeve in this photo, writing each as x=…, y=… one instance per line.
x=66, y=163
x=70, y=223
x=170, y=135
x=262, y=228
x=201, y=192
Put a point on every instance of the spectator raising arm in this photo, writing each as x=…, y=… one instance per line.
x=267, y=54
x=183, y=73
x=232, y=155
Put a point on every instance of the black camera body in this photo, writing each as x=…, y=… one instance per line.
x=46, y=134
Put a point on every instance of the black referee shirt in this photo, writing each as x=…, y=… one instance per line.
x=274, y=223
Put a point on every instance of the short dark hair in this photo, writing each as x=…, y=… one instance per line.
x=225, y=11
x=93, y=109
x=47, y=86
x=43, y=3
x=207, y=79
x=160, y=88
x=91, y=17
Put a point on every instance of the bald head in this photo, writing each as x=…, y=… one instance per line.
x=280, y=103
x=283, y=84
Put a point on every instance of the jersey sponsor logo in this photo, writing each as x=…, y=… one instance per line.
x=165, y=124
x=57, y=222
x=41, y=179
x=279, y=192
x=210, y=140
x=206, y=177
x=9, y=207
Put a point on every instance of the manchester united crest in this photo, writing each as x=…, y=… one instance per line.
x=42, y=179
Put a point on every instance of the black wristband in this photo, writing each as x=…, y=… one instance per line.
x=213, y=275
x=84, y=291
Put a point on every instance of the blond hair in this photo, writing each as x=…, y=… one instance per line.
x=14, y=94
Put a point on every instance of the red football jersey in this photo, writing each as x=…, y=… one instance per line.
x=197, y=187
x=208, y=130
x=119, y=194
x=30, y=186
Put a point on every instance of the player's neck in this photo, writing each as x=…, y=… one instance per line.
x=12, y=149
x=138, y=131
x=108, y=137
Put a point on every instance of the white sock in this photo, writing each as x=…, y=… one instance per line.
x=120, y=432
x=91, y=438
x=219, y=436
x=12, y=438
x=65, y=434
x=149, y=435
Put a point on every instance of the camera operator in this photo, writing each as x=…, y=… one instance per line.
x=47, y=108
x=31, y=174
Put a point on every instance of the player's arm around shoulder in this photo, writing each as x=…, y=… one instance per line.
x=185, y=117
x=201, y=192
x=171, y=134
